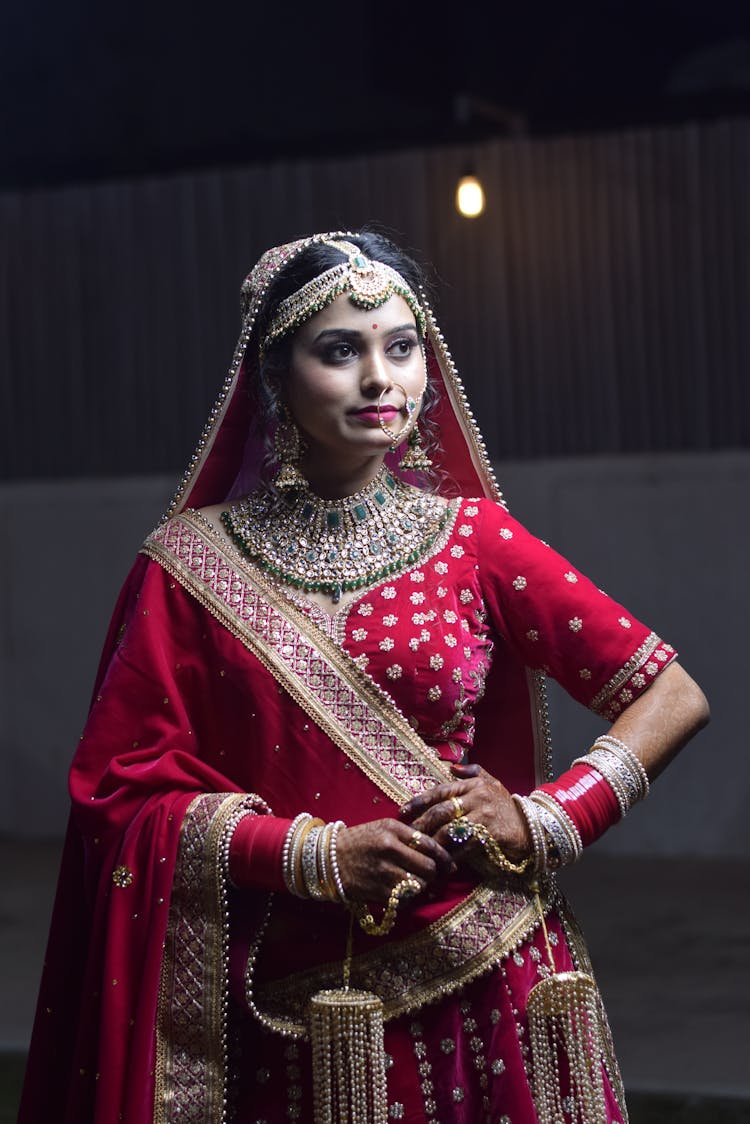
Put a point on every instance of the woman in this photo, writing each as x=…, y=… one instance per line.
x=317, y=755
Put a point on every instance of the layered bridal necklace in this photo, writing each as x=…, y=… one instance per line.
x=336, y=546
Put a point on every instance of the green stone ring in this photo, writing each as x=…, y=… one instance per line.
x=460, y=830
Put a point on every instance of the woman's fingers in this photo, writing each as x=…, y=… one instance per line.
x=440, y=815
x=427, y=799
x=374, y=857
x=482, y=799
x=427, y=857
x=466, y=771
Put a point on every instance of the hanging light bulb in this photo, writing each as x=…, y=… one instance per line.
x=469, y=196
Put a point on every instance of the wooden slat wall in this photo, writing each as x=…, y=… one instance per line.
x=599, y=305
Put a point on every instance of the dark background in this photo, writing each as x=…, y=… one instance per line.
x=97, y=91
x=616, y=268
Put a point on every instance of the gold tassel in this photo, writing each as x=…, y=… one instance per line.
x=566, y=1035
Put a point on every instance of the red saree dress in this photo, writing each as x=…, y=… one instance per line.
x=173, y=992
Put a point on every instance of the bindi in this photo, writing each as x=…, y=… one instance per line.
x=374, y=327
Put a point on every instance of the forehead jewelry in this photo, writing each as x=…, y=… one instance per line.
x=369, y=284
x=409, y=408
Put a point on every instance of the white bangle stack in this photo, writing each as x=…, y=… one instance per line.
x=620, y=767
x=309, y=859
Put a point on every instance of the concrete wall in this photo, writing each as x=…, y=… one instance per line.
x=666, y=535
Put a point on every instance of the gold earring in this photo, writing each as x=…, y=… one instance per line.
x=288, y=449
x=415, y=458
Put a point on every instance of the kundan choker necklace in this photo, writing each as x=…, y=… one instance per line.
x=336, y=546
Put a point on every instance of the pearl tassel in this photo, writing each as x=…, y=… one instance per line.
x=567, y=1038
x=348, y=1053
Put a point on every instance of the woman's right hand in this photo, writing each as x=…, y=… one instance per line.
x=374, y=857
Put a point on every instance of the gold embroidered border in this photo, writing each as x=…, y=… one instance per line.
x=190, y=1070
x=343, y=701
x=636, y=661
x=467, y=942
x=537, y=687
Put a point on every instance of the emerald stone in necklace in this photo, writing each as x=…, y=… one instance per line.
x=337, y=546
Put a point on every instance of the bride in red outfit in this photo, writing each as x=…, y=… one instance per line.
x=310, y=867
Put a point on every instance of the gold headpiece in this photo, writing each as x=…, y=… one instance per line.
x=369, y=285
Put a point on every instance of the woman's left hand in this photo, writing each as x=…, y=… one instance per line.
x=483, y=799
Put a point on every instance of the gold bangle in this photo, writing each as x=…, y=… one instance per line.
x=406, y=888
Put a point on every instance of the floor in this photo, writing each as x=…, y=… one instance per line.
x=670, y=942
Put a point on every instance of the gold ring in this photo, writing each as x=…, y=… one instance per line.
x=458, y=807
x=415, y=840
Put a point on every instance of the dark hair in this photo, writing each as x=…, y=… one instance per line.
x=309, y=263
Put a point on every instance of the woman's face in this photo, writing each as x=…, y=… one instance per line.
x=345, y=360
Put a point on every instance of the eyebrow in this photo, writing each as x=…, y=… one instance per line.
x=356, y=333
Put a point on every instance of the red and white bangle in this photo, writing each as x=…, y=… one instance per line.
x=620, y=768
x=630, y=760
x=558, y=826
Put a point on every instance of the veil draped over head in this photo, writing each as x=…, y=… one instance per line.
x=230, y=452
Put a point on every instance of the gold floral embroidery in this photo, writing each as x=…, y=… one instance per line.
x=636, y=662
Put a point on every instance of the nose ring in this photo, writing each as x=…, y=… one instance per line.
x=409, y=408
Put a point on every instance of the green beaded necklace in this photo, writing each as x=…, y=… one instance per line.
x=338, y=546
